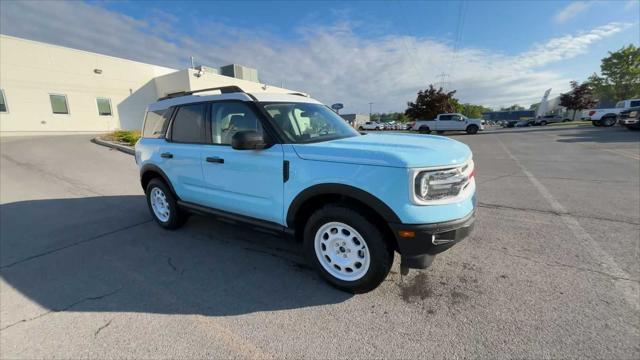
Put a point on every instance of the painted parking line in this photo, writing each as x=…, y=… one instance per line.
x=624, y=153
x=623, y=282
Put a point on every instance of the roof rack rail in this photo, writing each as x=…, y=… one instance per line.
x=222, y=89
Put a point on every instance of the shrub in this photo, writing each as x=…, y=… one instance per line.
x=128, y=137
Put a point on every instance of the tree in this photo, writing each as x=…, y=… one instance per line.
x=472, y=111
x=431, y=102
x=579, y=98
x=620, y=75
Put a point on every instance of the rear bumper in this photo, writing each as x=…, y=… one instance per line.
x=428, y=240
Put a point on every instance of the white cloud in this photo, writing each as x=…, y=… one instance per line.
x=333, y=63
x=570, y=11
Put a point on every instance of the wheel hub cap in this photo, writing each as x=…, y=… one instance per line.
x=342, y=251
x=159, y=204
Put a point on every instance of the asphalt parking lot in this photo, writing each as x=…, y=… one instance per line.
x=551, y=271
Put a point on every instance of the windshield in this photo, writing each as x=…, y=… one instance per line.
x=620, y=104
x=305, y=122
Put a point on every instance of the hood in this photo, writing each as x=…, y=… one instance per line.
x=395, y=150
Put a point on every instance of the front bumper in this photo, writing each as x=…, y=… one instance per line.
x=419, y=243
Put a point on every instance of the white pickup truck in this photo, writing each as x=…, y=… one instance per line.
x=449, y=122
x=607, y=117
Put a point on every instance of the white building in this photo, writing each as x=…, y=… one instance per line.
x=49, y=89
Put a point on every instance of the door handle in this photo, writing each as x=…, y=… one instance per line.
x=166, y=155
x=215, y=159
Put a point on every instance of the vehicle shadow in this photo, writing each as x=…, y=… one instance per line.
x=105, y=254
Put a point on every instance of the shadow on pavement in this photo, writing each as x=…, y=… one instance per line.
x=616, y=134
x=105, y=254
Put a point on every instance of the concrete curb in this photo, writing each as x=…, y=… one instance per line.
x=123, y=148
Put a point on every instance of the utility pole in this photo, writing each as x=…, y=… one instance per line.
x=370, y=111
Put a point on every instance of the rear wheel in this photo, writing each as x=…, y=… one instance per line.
x=347, y=250
x=472, y=129
x=360, y=128
x=596, y=123
x=543, y=123
x=163, y=205
x=424, y=130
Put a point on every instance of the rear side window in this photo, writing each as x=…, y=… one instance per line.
x=445, y=117
x=155, y=124
x=635, y=103
x=189, y=125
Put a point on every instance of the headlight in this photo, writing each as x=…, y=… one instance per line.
x=633, y=114
x=442, y=184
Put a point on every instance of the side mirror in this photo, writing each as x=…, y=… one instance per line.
x=248, y=140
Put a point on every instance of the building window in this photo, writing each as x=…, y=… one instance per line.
x=104, y=106
x=3, y=102
x=59, y=104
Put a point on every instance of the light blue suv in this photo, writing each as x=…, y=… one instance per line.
x=287, y=163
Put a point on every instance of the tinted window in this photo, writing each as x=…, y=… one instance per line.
x=635, y=103
x=227, y=118
x=104, y=106
x=59, y=104
x=155, y=124
x=188, y=124
x=3, y=102
x=445, y=117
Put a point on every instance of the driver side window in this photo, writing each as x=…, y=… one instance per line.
x=228, y=118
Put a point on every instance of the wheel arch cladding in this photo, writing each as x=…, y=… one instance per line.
x=149, y=172
x=317, y=196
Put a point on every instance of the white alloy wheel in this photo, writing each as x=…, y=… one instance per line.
x=159, y=204
x=342, y=251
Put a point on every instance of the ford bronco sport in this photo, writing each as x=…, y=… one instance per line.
x=287, y=163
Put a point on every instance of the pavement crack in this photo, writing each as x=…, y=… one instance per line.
x=47, y=174
x=102, y=328
x=556, y=213
x=65, y=308
x=96, y=237
x=171, y=263
x=558, y=264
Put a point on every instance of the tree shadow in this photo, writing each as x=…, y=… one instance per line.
x=105, y=254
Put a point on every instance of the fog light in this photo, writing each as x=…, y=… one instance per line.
x=407, y=234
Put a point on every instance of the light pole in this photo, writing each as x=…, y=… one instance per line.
x=370, y=111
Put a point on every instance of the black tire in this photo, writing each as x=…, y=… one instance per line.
x=424, y=130
x=596, y=123
x=379, y=250
x=360, y=128
x=543, y=123
x=472, y=129
x=176, y=217
x=608, y=121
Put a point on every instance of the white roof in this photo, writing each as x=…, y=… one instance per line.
x=260, y=96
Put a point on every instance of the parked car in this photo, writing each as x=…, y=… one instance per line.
x=449, y=122
x=291, y=165
x=371, y=125
x=608, y=117
x=548, y=119
x=630, y=118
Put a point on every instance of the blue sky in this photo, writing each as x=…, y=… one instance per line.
x=495, y=53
